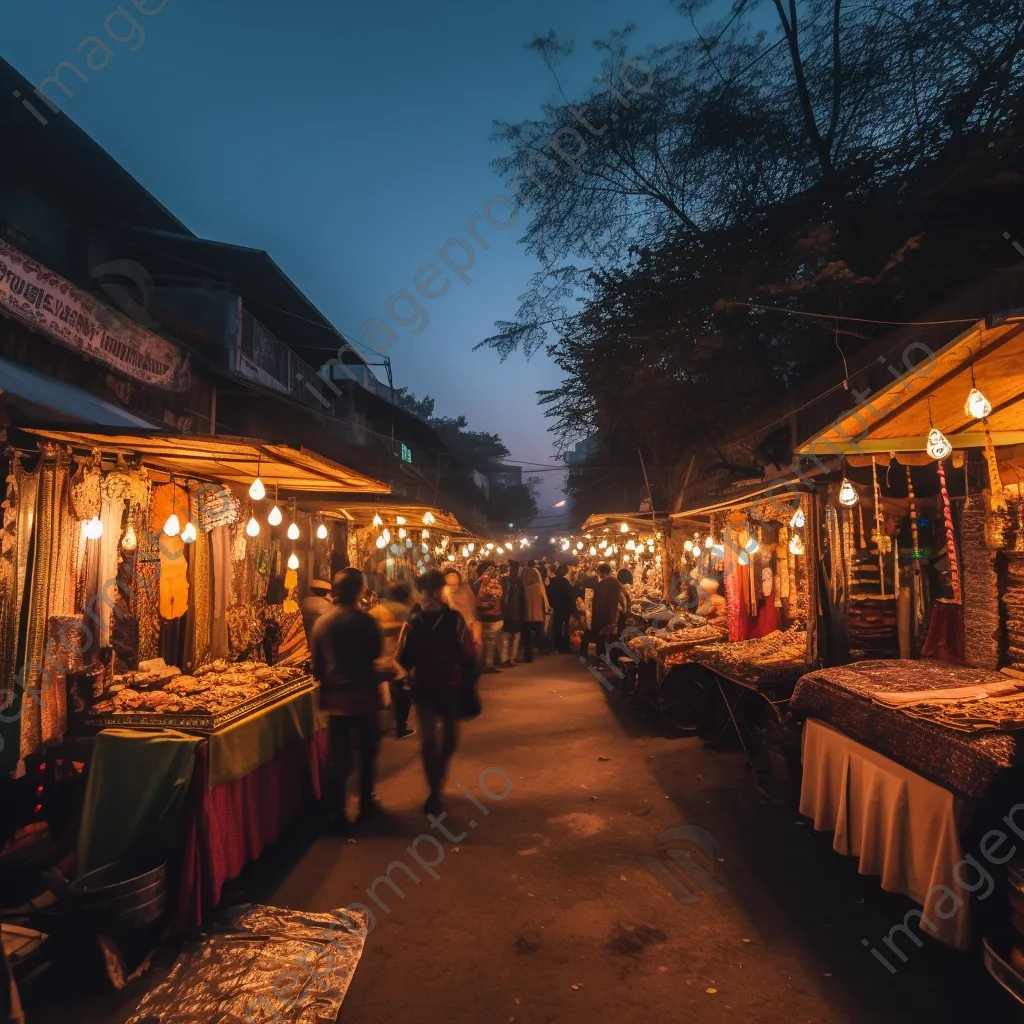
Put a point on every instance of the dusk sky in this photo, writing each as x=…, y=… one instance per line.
x=350, y=142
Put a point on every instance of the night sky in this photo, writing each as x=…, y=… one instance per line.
x=349, y=141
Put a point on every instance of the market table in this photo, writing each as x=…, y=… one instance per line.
x=899, y=825
x=972, y=765
x=251, y=781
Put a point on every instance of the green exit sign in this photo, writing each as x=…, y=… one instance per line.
x=406, y=453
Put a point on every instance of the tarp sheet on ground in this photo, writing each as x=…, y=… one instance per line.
x=264, y=964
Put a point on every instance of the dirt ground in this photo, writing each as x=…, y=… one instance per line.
x=542, y=912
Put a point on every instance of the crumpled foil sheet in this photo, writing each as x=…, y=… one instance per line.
x=264, y=964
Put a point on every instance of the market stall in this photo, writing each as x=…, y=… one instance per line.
x=923, y=553
x=392, y=540
x=149, y=586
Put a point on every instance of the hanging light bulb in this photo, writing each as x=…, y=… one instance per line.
x=471, y=546
x=565, y=545
x=624, y=528
x=256, y=489
x=464, y=551
x=650, y=547
x=977, y=405
x=796, y=544
x=402, y=533
x=579, y=545
x=630, y=545
x=625, y=558
x=188, y=535
x=425, y=534
x=386, y=534
x=293, y=561
x=938, y=446
x=94, y=528
x=172, y=527
x=593, y=550
x=400, y=520
x=321, y=532
x=798, y=520
x=501, y=551
x=848, y=494
x=709, y=542
x=377, y=521
x=275, y=516
x=252, y=528
x=381, y=542
x=425, y=548
x=429, y=519
x=688, y=546
x=129, y=541
x=408, y=542
x=603, y=544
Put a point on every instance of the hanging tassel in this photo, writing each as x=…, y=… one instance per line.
x=912, y=508
x=995, y=483
x=947, y=515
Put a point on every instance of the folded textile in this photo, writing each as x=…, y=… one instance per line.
x=958, y=693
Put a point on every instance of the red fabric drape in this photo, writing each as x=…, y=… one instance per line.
x=945, y=638
x=228, y=826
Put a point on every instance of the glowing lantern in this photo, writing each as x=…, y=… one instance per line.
x=593, y=550
x=400, y=520
x=293, y=531
x=256, y=489
x=129, y=541
x=688, y=546
x=321, y=532
x=624, y=528
x=709, y=542
x=977, y=405
x=402, y=533
x=275, y=516
x=172, y=527
x=848, y=494
x=798, y=520
x=381, y=542
x=938, y=446
x=188, y=535
x=377, y=521
x=293, y=561
x=94, y=528
x=252, y=528
x=796, y=545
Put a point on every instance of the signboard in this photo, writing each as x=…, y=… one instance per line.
x=406, y=453
x=45, y=301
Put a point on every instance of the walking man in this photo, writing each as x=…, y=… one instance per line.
x=436, y=649
x=513, y=611
x=346, y=644
x=562, y=598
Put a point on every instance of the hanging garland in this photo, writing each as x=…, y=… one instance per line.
x=912, y=508
x=947, y=515
x=878, y=524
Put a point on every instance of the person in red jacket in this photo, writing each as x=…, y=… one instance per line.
x=436, y=649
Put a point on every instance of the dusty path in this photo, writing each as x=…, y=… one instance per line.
x=542, y=913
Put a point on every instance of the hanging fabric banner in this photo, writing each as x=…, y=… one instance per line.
x=47, y=302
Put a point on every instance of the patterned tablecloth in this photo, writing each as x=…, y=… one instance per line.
x=971, y=765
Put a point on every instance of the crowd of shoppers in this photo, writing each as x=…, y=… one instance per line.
x=423, y=650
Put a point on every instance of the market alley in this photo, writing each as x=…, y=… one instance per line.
x=543, y=913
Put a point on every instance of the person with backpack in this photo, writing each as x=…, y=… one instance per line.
x=437, y=649
x=513, y=612
x=489, y=599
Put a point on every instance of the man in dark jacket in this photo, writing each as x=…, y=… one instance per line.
x=346, y=644
x=609, y=603
x=562, y=598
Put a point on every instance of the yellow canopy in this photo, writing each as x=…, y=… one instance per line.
x=638, y=522
x=224, y=459
x=898, y=417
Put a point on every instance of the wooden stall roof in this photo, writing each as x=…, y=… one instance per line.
x=781, y=488
x=638, y=522
x=362, y=513
x=222, y=458
x=899, y=417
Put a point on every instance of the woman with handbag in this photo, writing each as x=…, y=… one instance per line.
x=438, y=651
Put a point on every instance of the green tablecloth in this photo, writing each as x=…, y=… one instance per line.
x=137, y=782
x=241, y=748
